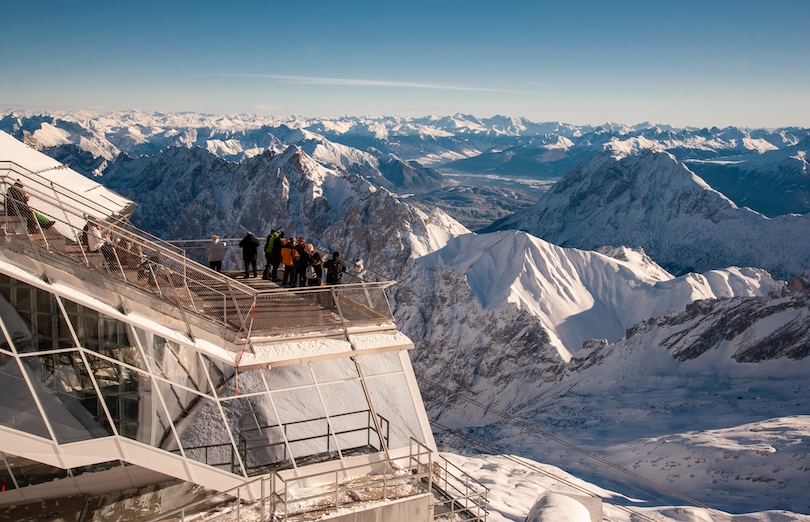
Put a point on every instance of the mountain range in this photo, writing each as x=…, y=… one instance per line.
x=771, y=161
x=653, y=201
x=659, y=362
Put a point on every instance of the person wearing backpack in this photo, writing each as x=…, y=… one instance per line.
x=334, y=269
x=314, y=271
x=275, y=256
x=268, y=254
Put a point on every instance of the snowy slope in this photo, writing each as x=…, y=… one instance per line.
x=654, y=202
x=503, y=317
x=500, y=315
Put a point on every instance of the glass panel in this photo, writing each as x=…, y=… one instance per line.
x=103, y=334
x=65, y=390
x=334, y=370
x=6, y=482
x=288, y=376
x=200, y=427
x=32, y=317
x=243, y=383
x=18, y=409
x=257, y=433
x=28, y=472
x=218, y=371
x=378, y=363
x=135, y=411
x=304, y=423
x=175, y=363
x=393, y=403
x=350, y=416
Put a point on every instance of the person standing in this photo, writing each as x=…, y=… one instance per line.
x=275, y=256
x=302, y=261
x=216, y=253
x=95, y=240
x=334, y=269
x=250, y=251
x=268, y=253
x=315, y=269
x=289, y=263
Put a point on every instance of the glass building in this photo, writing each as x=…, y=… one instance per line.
x=135, y=366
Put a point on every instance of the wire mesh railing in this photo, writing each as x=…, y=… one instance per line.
x=43, y=219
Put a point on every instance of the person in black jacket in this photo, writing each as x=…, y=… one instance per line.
x=250, y=249
x=334, y=269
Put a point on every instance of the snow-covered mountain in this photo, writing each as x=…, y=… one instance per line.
x=652, y=201
x=603, y=348
x=710, y=401
x=501, y=315
x=191, y=193
x=748, y=164
x=775, y=183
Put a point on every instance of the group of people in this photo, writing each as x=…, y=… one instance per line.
x=302, y=264
x=117, y=251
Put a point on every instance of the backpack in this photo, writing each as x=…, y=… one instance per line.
x=271, y=241
x=334, y=271
x=310, y=273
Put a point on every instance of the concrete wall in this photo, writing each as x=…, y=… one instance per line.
x=412, y=509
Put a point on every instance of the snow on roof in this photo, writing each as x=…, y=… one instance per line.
x=45, y=170
x=297, y=351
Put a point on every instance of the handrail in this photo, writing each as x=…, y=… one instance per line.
x=272, y=497
x=248, y=448
x=133, y=257
x=36, y=179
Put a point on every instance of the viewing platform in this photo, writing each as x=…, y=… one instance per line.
x=50, y=224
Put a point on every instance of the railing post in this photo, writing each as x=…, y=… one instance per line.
x=337, y=501
x=263, y=496
x=385, y=483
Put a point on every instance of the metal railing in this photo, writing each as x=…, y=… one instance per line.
x=44, y=220
x=263, y=449
x=460, y=495
x=272, y=497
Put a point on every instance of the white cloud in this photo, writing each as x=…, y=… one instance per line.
x=355, y=82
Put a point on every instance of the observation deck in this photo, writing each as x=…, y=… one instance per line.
x=142, y=272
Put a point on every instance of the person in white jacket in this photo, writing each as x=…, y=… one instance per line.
x=216, y=253
x=94, y=238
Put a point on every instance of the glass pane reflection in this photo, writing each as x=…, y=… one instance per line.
x=65, y=390
x=392, y=400
x=334, y=370
x=351, y=418
x=18, y=409
x=379, y=363
x=135, y=411
x=305, y=424
x=284, y=377
x=200, y=427
x=257, y=433
x=32, y=317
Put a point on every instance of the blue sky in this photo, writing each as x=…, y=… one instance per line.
x=681, y=62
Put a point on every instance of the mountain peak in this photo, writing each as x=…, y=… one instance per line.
x=652, y=201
